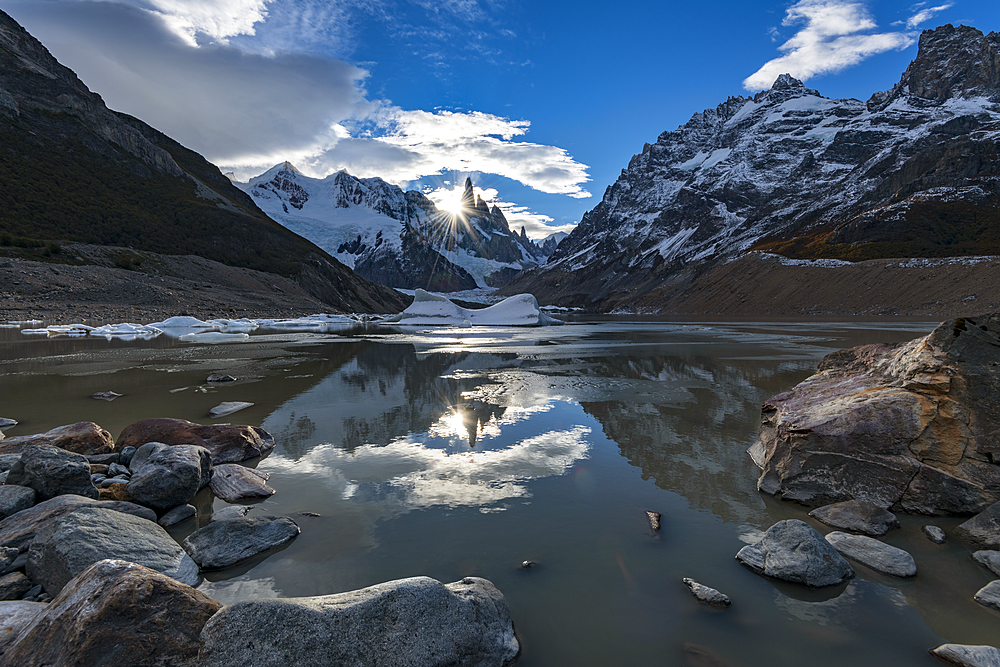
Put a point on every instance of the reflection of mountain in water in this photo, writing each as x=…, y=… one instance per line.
x=382, y=393
x=697, y=449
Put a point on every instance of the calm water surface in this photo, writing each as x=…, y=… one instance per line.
x=451, y=453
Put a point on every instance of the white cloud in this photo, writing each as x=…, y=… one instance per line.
x=925, y=15
x=215, y=19
x=829, y=41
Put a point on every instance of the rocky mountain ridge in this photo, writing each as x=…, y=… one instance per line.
x=397, y=238
x=911, y=173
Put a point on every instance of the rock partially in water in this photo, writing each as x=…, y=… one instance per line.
x=82, y=438
x=15, y=615
x=117, y=613
x=15, y=498
x=707, y=595
x=464, y=623
x=935, y=534
x=224, y=543
x=859, y=516
x=892, y=424
x=654, y=520
x=982, y=530
x=988, y=559
x=231, y=512
x=794, y=551
x=177, y=515
x=74, y=542
x=877, y=555
x=106, y=395
x=170, y=476
x=17, y=531
x=52, y=472
x=233, y=483
x=226, y=443
x=220, y=377
x=228, y=408
x=13, y=586
x=7, y=423
x=964, y=655
x=989, y=595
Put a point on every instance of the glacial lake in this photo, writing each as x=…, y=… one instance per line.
x=458, y=452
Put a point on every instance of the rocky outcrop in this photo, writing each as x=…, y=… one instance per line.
x=52, y=472
x=225, y=443
x=117, y=613
x=67, y=546
x=794, y=551
x=85, y=438
x=909, y=426
x=409, y=622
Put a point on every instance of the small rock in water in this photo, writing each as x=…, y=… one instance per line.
x=7, y=423
x=526, y=564
x=310, y=514
x=989, y=595
x=794, y=551
x=228, y=408
x=935, y=534
x=859, y=516
x=707, y=595
x=988, y=559
x=219, y=377
x=877, y=555
x=106, y=395
x=125, y=456
x=654, y=520
x=965, y=655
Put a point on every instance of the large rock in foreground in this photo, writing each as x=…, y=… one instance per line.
x=117, y=614
x=910, y=426
x=410, y=622
x=227, y=444
x=82, y=437
x=794, y=551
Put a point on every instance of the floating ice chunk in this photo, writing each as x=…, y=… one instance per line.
x=182, y=322
x=127, y=331
x=233, y=326
x=430, y=309
x=317, y=322
x=214, y=337
x=60, y=330
x=228, y=408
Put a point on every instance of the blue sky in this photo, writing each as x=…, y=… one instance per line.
x=543, y=103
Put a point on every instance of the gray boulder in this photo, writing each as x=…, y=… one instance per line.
x=13, y=586
x=17, y=531
x=233, y=483
x=988, y=559
x=466, y=623
x=935, y=534
x=893, y=425
x=15, y=498
x=52, y=472
x=81, y=438
x=706, y=595
x=170, y=476
x=177, y=515
x=139, y=456
x=964, y=655
x=877, y=555
x=859, y=516
x=117, y=613
x=74, y=542
x=982, y=530
x=221, y=544
x=794, y=551
x=989, y=595
x=15, y=615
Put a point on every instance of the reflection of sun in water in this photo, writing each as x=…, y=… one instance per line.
x=447, y=200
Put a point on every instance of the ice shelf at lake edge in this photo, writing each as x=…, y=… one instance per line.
x=429, y=309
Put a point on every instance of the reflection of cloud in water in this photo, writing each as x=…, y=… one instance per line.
x=405, y=475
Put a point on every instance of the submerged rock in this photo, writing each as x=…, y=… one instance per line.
x=794, y=551
x=117, y=613
x=226, y=443
x=52, y=472
x=81, y=437
x=74, y=542
x=221, y=544
x=233, y=483
x=964, y=655
x=935, y=534
x=466, y=623
x=859, y=516
x=877, y=555
x=892, y=425
x=707, y=595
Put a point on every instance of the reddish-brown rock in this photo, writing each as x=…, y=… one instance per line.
x=85, y=438
x=118, y=614
x=227, y=444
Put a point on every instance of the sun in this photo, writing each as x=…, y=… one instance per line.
x=448, y=200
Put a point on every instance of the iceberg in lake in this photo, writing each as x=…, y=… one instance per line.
x=430, y=309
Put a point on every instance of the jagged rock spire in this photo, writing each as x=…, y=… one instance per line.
x=468, y=197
